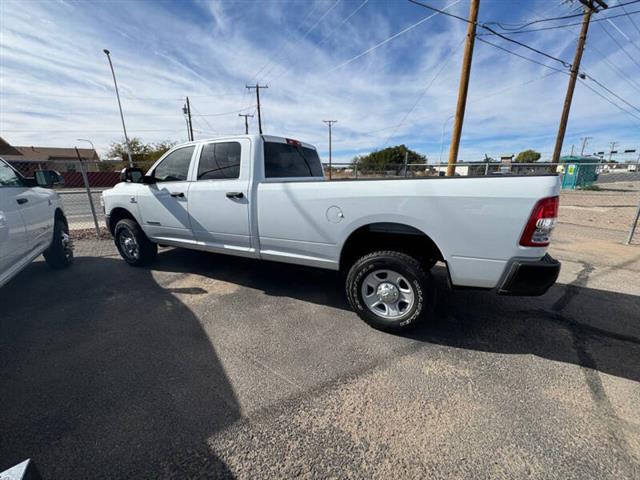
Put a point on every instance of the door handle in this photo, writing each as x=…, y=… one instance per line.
x=235, y=194
x=177, y=194
x=22, y=201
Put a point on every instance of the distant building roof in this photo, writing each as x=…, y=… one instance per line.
x=44, y=154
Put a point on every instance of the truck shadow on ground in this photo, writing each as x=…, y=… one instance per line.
x=571, y=323
x=105, y=374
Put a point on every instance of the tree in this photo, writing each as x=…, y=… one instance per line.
x=528, y=156
x=142, y=154
x=390, y=158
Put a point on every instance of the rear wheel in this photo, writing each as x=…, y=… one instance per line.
x=60, y=252
x=133, y=244
x=390, y=290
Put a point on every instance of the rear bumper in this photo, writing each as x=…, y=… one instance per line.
x=530, y=277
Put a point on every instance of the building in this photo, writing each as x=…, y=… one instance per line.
x=29, y=159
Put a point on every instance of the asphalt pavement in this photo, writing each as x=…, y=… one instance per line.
x=221, y=367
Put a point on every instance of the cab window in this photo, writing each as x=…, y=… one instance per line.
x=8, y=177
x=175, y=166
x=219, y=161
x=283, y=160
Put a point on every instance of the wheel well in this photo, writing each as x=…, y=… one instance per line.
x=59, y=215
x=118, y=214
x=388, y=236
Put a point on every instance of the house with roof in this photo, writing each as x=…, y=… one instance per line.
x=27, y=159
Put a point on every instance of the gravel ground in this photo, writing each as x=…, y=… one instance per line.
x=206, y=366
x=613, y=206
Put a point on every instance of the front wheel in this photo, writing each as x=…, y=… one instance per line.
x=133, y=244
x=390, y=290
x=60, y=252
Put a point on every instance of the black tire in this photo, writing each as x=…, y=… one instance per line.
x=414, y=279
x=134, y=246
x=60, y=252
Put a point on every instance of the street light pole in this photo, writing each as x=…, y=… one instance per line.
x=124, y=128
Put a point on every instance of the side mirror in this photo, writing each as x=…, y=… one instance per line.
x=131, y=175
x=48, y=178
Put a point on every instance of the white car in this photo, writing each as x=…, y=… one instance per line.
x=32, y=222
x=266, y=197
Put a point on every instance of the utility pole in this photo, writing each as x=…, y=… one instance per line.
x=572, y=147
x=612, y=145
x=589, y=8
x=584, y=144
x=330, y=123
x=463, y=87
x=115, y=83
x=246, y=121
x=186, y=109
x=258, y=87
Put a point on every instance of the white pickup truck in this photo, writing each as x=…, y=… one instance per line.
x=32, y=222
x=266, y=197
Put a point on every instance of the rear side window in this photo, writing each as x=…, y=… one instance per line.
x=282, y=160
x=175, y=166
x=219, y=160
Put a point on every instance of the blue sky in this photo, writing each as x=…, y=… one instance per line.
x=320, y=61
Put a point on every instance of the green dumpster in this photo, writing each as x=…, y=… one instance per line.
x=578, y=172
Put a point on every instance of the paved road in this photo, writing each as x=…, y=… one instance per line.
x=219, y=367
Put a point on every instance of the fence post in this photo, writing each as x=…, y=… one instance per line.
x=85, y=179
x=633, y=226
x=486, y=169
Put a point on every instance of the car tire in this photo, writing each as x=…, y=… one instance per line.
x=60, y=252
x=390, y=290
x=133, y=245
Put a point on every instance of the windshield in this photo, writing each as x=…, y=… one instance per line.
x=283, y=160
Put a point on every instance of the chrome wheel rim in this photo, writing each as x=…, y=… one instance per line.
x=67, y=245
x=387, y=294
x=128, y=244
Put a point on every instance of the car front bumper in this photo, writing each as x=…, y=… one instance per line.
x=530, y=277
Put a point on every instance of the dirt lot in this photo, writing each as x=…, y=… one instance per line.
x=210, y=366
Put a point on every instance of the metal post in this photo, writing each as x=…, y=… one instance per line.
x=486, y=169
x=463, y=88
x=330, y=123
x=634, y=224
x=85, y=179
x=406, y=160
x=115, y=83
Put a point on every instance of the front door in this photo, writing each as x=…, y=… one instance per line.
x=219, y=198
x=163, y=204
x=13, y=238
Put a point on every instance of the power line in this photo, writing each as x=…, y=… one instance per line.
x=424, y=91
x=566, y=25
x=619, y=44
x=392, y=37
x=631, y=19
x=520, y=56
x=612, y=92
x=615, y=68
x=567, y=73
x=325, y=38
x=504, y=37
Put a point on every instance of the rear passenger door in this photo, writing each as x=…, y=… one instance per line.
x=219, y=197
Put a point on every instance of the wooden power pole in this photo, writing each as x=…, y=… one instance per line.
x=463, y=88
x=246, y=121
x=187, y=111
x=330, y=123
x=589, y=8
x=258, y=87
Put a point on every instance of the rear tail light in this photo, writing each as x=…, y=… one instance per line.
x=541, y=223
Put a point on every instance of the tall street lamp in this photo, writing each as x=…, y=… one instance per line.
x=126, y=138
